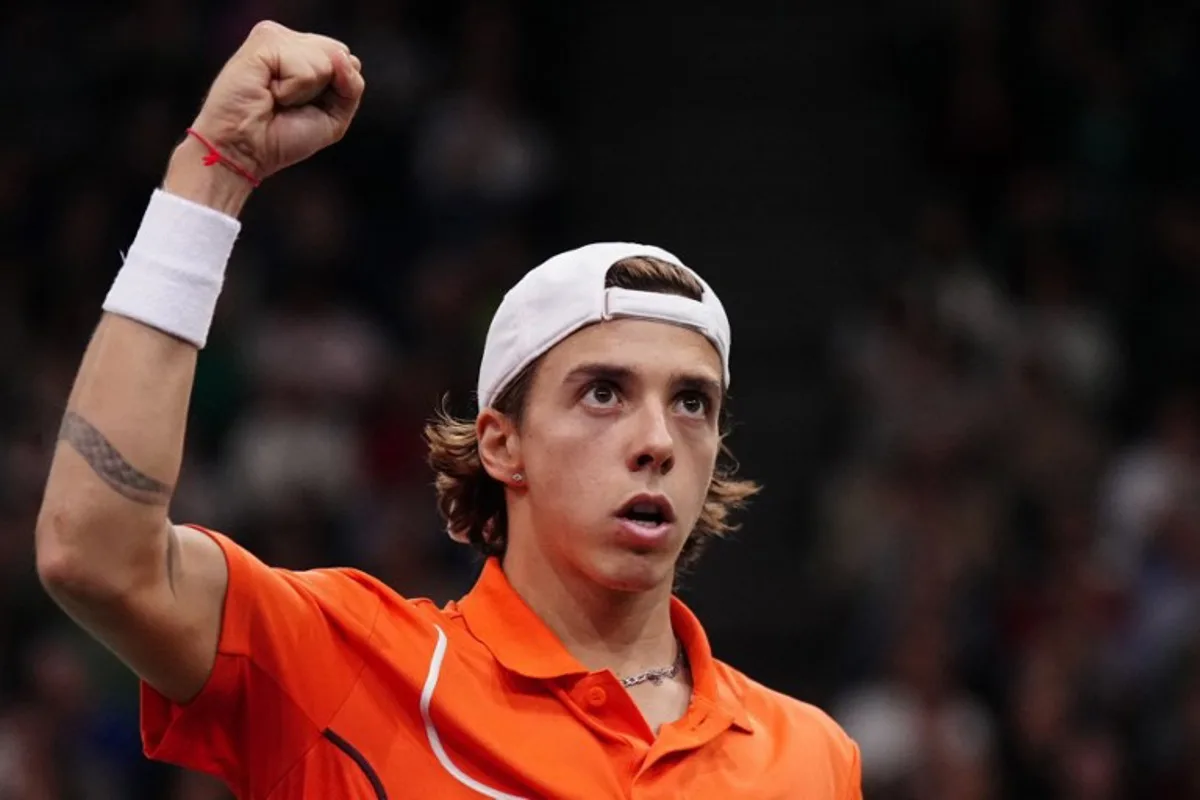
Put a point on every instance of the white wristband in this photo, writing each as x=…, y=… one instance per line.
x=173, y=273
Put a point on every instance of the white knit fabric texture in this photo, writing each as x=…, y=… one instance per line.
x=173, y=273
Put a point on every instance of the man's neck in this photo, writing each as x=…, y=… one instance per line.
x=625, y=632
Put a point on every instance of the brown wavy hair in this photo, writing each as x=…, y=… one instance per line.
x=472, y=502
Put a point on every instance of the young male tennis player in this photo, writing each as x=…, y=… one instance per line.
x=569, y=671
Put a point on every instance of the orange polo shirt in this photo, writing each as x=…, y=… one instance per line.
x=327, y=684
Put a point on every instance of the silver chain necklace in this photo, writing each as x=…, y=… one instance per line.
x=659, y=674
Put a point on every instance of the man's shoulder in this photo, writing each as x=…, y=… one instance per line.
x=347, y=594
x=779, y=711
x=363, y=593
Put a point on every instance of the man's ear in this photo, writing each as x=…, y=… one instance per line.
x=499, y=447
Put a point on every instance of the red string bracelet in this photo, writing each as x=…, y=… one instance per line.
x=215, y=156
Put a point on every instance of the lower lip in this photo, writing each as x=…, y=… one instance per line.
x=643, y=534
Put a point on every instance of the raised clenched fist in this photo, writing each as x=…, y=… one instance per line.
x=283, y=96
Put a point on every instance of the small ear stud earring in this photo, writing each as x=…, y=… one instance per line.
x=518, y=477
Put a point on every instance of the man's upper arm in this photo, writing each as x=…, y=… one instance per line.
x=167, y=632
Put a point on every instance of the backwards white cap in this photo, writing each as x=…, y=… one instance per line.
x=567, y=293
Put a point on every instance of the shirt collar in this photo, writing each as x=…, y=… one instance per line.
x=523, y=644
x=517, y=637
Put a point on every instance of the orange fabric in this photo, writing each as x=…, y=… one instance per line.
x=318, y=687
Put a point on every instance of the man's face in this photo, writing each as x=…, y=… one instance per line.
x=619, y=411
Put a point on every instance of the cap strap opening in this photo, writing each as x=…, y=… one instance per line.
x=658, y=306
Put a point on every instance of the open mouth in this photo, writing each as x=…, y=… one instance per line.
x=647, y=511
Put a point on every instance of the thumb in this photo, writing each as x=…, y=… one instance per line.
x=346, y=88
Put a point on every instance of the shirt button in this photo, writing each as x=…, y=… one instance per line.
x=596, y=697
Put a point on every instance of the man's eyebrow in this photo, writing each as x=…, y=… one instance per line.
x=700, y=382
x=599, y=371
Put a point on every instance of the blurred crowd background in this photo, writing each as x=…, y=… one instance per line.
x=978, y=426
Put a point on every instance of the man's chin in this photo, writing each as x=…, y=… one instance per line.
x=634, y=571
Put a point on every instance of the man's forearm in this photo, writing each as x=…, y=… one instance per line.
x=104, y=517
x=117, y=460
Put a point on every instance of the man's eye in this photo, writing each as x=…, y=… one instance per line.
x=601, y=394
x=694, y=404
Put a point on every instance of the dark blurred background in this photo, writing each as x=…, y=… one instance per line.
x=960, y=246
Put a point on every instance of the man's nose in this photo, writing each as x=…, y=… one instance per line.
x=654, y=447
